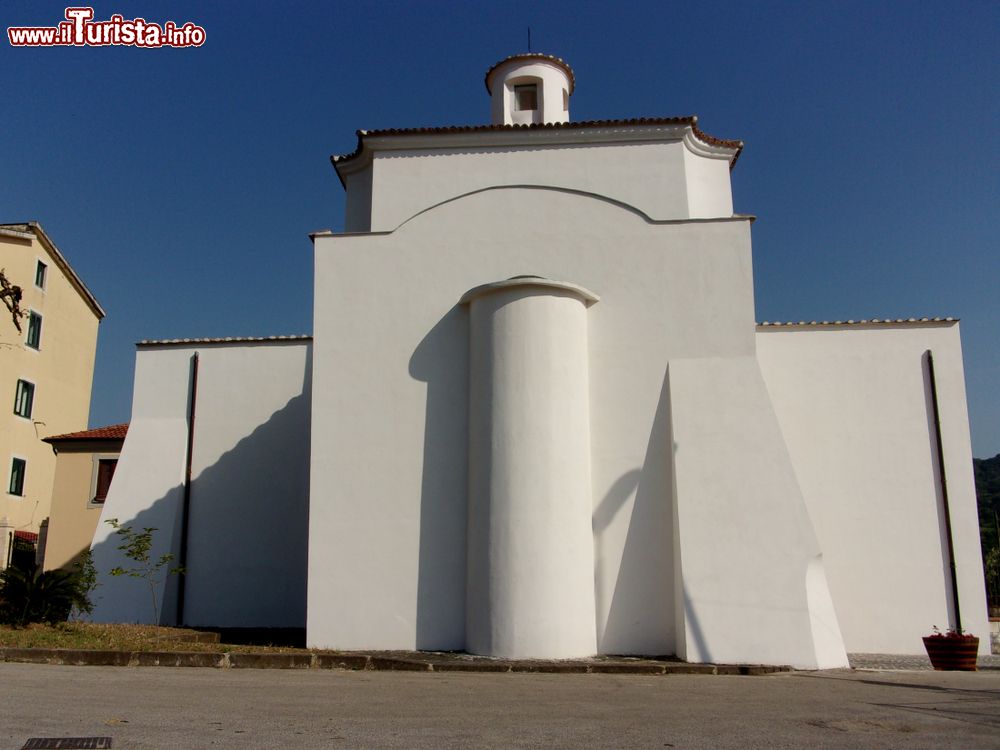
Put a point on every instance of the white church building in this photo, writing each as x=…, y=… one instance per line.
x=537, y=418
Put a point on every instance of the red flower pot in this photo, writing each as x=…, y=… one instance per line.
x=952, y=652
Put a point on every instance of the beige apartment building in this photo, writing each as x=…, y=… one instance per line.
x=46, y=371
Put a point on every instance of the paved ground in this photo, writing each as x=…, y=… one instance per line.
x=168, y=707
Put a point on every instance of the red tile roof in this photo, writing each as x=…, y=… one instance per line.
x=535, y=56
x=111, y=432
x=690, y=120
x=872, y=322
x=225, y=340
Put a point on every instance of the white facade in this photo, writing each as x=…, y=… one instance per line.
x=853, y=404
x=545, y=423
x=249, y=488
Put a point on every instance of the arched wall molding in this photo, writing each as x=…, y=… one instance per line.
x=551, y=188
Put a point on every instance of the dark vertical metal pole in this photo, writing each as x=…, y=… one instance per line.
x=186, y=504
x=944, y=492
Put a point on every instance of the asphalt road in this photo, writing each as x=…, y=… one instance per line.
x=203, y=708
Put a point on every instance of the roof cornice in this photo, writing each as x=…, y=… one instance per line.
x=29, y=228
x=643, y=129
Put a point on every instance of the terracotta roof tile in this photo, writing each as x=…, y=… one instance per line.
x=111, y=432
x=534, y=56
x=226, y=340
x=873, y=321
x=691, y=120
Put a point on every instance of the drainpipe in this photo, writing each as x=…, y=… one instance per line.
x=944, y=492
x=186, y=503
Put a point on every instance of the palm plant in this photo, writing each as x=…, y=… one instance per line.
x=28, y=595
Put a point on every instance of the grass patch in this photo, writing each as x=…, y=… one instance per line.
x=121, y=637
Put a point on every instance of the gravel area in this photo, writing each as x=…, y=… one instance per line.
x=910, y=662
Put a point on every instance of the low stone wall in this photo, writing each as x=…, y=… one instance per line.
x=380, y=661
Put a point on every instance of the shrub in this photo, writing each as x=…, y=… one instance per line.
x=28, y=595
x=85, y=574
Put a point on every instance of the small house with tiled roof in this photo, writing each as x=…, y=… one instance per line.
x=85, y=465
x=537, y=418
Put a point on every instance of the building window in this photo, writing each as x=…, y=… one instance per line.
x=16, y=486
x=40, y=271
x=24, y=397
x=565, y=100
x=34, y=330
x=526, y=96
x=102, y=481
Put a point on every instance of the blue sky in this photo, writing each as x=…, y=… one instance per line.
x=181, y=183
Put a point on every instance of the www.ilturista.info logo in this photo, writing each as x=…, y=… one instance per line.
x=80, y=30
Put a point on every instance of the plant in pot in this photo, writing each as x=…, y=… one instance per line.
x=953, y=650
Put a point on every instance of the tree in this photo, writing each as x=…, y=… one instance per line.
x=987, y=473
x=11, y=296
x=991, y=566
x=136, y=546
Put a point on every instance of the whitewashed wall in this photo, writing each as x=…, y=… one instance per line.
x=390, y=422
x=751, y=583
x=853, y=403
x=661, y=177
x=648, y=176
x=707, y=184
x=249, y=497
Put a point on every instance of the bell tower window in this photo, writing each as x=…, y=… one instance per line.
x=526, y=97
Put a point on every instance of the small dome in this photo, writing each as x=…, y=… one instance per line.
x=530, y=89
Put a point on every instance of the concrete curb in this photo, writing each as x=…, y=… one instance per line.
x=414, y=662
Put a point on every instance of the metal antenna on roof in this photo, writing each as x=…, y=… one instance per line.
x=529, y=39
